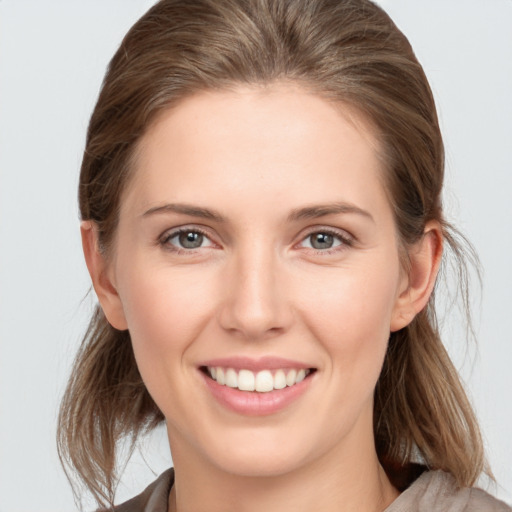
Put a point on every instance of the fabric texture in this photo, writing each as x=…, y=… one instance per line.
x=433, y=491
x=155, y=498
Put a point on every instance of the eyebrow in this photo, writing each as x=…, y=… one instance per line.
x=321, y=210
x=186, y=209
x=305, y=213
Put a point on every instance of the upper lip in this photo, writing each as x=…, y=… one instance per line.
x=255, y=365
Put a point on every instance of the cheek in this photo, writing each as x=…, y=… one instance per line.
x=352, y=319
x=165, y=310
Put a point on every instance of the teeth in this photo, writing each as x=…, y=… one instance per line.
x=245, y=380
x=231, y=378
x=279, y=380
x=290, y=377
x=301, y=375
x=262, y=382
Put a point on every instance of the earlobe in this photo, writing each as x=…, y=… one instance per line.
x=425, y=259
x=101, y=280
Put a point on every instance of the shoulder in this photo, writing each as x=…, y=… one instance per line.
x=153, y=499
x=437, y=491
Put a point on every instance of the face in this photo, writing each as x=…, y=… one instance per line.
x=256, y=248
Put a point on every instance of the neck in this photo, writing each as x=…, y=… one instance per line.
x=338, y=482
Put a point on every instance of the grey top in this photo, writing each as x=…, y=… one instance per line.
x=433, y=491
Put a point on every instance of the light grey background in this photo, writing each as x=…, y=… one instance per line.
x=52, y=58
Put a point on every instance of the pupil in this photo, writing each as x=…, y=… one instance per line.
x=191, y=240
x=321, y=241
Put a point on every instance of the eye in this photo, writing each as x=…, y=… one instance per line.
x=186, y=239
x=325, y=241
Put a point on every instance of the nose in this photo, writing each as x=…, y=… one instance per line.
x=255, y=305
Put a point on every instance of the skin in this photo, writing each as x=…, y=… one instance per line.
x=257, y=287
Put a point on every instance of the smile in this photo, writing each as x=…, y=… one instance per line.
x=263, y=381
x=257, y=386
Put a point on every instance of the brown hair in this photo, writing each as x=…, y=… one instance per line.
x=346, y=51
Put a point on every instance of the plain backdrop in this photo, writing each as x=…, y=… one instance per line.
x=53, y=55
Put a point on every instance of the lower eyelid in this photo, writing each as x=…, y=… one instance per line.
x=344, y=239
x=169, y=235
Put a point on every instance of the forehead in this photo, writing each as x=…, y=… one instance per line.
x=278, y=140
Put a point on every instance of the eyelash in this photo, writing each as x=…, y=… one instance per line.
x=167, y=236
x=345, y=239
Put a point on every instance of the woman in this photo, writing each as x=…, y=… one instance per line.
x=261, y=217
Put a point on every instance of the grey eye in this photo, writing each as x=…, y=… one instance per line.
x=321, y=240
x=190, y=239
x=186, y=239
x=324, y=240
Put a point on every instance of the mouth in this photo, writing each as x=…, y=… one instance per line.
x=257, y=386
x=262, y=381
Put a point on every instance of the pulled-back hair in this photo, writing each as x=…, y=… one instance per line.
x=346, y=51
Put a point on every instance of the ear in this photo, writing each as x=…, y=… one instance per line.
x=424, y=260
x=102, y=279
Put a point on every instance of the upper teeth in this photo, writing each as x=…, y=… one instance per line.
x=262, y=381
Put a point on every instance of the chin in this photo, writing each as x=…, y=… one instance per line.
x=261, y=458
x=259, y=466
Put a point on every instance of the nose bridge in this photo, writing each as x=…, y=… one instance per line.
x=255, y=305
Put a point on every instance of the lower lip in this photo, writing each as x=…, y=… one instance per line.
x=253, y=403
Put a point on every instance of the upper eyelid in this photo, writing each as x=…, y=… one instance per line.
x=169, y=233
x=164, y=239
x=342, y=233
